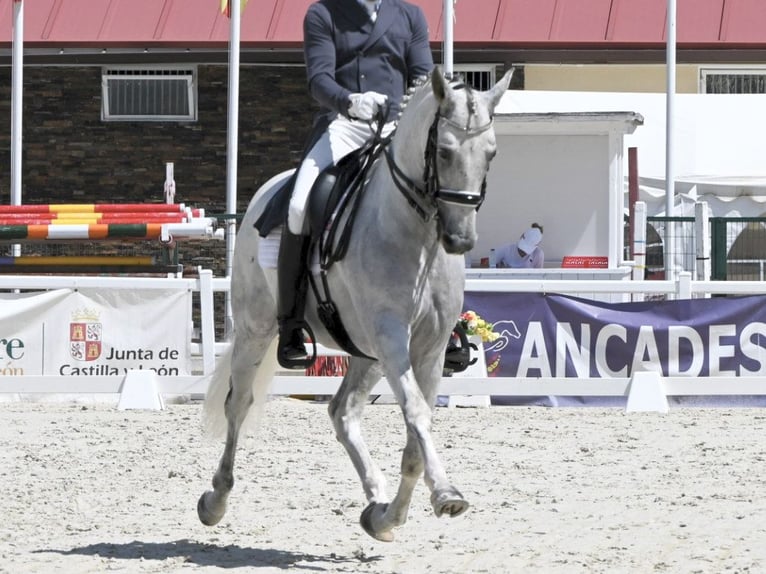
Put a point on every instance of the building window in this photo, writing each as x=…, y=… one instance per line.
x=149, y=94
x=478, y=76
x=733, y=81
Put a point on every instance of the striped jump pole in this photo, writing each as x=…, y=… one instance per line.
x=47, y=260
x=88, y=218
x=162, y=231
x=93, y=207
x=163, y=221
x=82, y=231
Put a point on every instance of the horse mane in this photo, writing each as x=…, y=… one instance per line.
x=417, y=84
x=421, y=87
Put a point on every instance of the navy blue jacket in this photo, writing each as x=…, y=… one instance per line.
x=347, y=53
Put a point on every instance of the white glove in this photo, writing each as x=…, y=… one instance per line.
x=364, y=106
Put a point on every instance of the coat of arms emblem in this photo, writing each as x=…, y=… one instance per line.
x=85, y=335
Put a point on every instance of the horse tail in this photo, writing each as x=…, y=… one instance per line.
x=214, y=414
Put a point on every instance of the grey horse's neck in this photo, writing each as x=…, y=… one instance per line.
x=411, y=135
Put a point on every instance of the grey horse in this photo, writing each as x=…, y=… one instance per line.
x=400, y=291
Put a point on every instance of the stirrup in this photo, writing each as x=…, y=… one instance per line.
x=297, y=359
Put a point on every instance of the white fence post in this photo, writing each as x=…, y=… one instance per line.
x=207, y=322
x=684, y=285
x=639, y=245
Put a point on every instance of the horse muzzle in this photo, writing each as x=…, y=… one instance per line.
x=456, y=245
x=457, y=234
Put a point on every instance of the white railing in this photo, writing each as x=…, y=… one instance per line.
x=204, y=352
x=208, y=348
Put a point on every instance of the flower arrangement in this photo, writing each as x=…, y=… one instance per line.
x=475, y=325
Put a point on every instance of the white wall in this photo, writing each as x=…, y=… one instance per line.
x=563, y=171
x=719, y=153
x=715, y=134
x=559, y=182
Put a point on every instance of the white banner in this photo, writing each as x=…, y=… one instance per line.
x=91, y=332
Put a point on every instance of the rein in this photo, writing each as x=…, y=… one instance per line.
x=423, y=199
x=351, y=200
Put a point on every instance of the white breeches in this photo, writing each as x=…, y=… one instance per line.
x=341, y=138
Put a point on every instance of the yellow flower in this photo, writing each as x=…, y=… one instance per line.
x=475, y=325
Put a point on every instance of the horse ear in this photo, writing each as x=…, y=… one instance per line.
x=439, y=84
x=496, y=93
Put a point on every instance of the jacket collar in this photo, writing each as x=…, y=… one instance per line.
x=352, y=11
x=385, y=20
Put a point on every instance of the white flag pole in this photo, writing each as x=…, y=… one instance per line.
x=17, y=85
x=670, y=176
x=449, y=21
x=17, y=94
x=232, y=148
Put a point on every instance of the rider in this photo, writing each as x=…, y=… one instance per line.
x=360, y=55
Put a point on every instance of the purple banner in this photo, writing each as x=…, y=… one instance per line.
x=561, y=336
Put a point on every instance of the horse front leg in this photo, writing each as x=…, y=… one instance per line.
x=416, y=397
x=411, y=470
x=445, y=498
x=446, y=501
x=345, y=410
x=419, y=456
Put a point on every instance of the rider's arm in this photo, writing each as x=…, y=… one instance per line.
x=419, y=58
x=319, y=52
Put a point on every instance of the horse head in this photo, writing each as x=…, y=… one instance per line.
x=459, y=144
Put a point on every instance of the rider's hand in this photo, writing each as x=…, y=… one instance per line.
x=364, y=106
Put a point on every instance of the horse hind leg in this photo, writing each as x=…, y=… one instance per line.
x=212, y=504
x=246, y=378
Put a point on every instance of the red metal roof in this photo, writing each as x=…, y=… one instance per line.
x=492, y=23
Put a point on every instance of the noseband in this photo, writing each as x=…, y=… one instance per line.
x=424, y=198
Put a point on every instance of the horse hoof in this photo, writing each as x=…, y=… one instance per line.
x=366, y=522
x=449, y=502
x=206, y=516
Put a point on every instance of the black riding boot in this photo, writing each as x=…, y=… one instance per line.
x=293, y=285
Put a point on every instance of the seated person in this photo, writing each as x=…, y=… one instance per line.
x=525, y=253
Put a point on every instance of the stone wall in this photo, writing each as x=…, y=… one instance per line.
x=71, y=156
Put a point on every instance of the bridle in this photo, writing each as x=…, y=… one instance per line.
x=424, y=198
